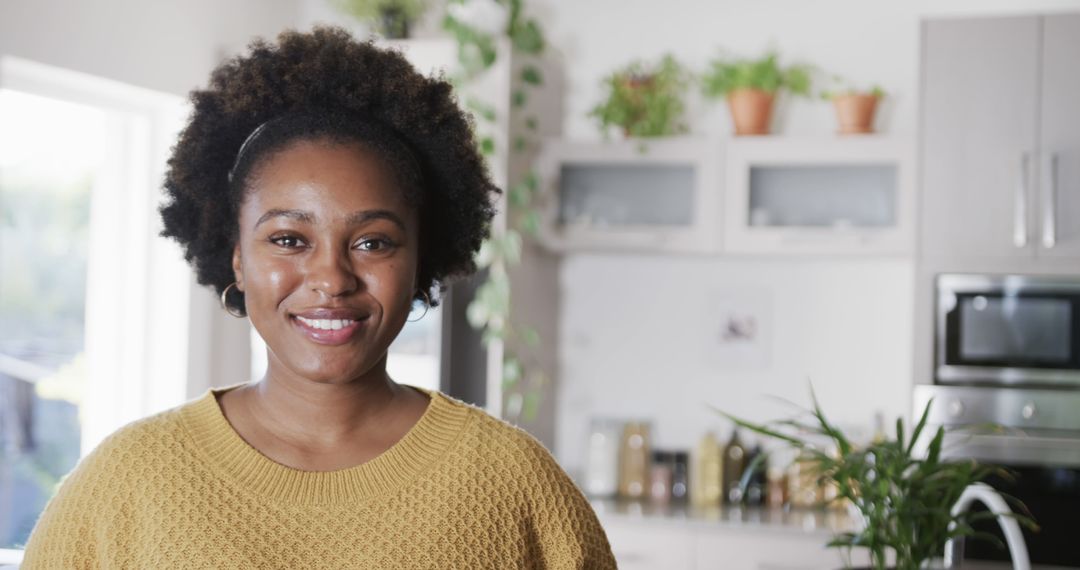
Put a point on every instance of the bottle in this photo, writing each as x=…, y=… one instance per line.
x=706, y=480
x=879, y=427
x=755, y=488
x=602, y=462
x=776, y=494
x=680, y=489
x=634, y=460
x=660, y=478
x=779, y=492
x=734, y=465
x=803, y=488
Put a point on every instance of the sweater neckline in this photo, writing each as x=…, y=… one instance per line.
x=235, y=458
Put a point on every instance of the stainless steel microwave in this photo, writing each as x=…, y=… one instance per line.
x=1008, y=330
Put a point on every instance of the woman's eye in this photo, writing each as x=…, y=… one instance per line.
x=286, y=241
x=373, y=244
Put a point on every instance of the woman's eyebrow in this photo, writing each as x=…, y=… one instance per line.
x=354, y=219
x=298, y=215
x=363, y=216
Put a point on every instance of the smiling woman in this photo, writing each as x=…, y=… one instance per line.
x=322, y=187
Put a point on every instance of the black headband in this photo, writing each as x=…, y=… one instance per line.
x=332, y=123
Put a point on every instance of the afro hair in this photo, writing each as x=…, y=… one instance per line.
x=326, y=84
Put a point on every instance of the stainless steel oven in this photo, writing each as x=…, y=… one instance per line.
x=1038, y=441
x=1007, y=330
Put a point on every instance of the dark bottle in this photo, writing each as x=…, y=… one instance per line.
x=680, y=483
x=755, y=488
x=734, y=465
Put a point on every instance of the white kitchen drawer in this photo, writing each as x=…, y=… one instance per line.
x=765, y=550
x=650, y=547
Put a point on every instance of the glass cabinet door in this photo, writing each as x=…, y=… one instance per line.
x=606, y=194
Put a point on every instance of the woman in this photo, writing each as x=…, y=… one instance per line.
x=322, y=186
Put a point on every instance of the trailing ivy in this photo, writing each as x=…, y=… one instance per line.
x=489, y=311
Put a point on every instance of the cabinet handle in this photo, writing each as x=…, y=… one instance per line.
x=1020, y=206
x=1049, y=237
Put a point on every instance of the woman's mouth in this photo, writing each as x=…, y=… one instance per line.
x=328, y=331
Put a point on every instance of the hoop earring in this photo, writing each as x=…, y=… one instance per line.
x=225, y=304
x=427, y=305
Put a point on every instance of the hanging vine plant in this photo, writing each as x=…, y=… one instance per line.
x=477, y=25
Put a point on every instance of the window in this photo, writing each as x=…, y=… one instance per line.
x=93, y=304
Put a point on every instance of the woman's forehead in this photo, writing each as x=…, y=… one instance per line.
x=326, y=180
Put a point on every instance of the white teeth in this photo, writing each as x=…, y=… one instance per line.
x=326, y=324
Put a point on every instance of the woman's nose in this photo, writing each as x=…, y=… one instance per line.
x=330, y=272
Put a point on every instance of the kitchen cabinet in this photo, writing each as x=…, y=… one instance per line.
x=660, y=545
x=756, y=195
x=1059, y=207
x=631, y=195
x=650, y=537
x=1000, y=138
x=830, y=195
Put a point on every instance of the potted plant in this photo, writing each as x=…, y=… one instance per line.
x=906, y=502
x=750, y=87
x=644, y=100
x=855, y=107
x=392, y=18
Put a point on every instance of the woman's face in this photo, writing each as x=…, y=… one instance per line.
x=326, y=258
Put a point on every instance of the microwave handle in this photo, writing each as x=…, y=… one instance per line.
x=1049, y=237
x=1020, y=206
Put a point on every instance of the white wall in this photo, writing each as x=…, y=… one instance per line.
x=167, y=45
x=640, y=339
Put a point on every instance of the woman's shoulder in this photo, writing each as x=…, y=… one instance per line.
x=490, y=439
x=130, y=455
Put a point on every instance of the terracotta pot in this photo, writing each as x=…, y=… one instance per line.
x=855, y=113
x=751, y=111
x=636, y=86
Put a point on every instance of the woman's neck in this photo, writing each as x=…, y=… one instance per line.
x=323, y=425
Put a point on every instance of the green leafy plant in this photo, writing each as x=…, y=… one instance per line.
x=392, y=17
x=839, y=86
x=905, y=501
x=645, y=100
x=726, y=74
x=523, y=377
x=370, y=10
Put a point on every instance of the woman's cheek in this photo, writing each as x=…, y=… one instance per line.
x=274, y=279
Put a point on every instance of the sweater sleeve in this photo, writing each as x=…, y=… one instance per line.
x=71, y=530
x=567, y=531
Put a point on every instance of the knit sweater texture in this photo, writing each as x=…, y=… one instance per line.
x=182, y=489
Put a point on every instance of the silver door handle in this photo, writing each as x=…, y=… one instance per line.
x=1049, y=228
x=1020, y=205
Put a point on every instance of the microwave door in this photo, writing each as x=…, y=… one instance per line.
x=1009, y=337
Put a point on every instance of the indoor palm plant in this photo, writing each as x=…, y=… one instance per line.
x=750, y=86
x=392, y=18
x=905, y=499
x=855, y=107
x=644, y=100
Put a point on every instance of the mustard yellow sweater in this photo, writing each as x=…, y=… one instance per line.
x=181, y=489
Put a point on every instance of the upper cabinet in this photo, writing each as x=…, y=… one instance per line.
x=660, y=195
x=1000, y=137
x=753, y=195
x=835, y=195
x=1059, y=200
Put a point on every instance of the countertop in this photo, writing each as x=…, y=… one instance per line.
x=802, y=521
x=823, y=522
